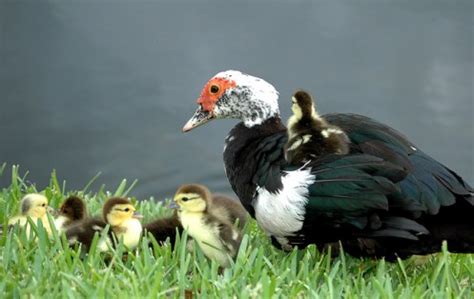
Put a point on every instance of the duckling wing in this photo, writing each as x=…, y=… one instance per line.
x=230, y=238
x=83, y=232
x=228, y=209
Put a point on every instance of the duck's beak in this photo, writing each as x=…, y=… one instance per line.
x=199, y=118
x=137, y=215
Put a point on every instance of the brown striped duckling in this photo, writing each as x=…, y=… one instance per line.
x=124, y=223
x=215, y=235
x=34, y=206
x=309, y=135
x=71, y=211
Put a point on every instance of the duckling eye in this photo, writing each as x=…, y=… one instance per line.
x=43, y=205
x=214, y=89
x=127, y=209
x=185, y=199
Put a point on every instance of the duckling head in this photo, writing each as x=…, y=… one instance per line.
x=118, y=210
x=34, y=205
x=73, y=208
x=303, y=105
x=193, y=198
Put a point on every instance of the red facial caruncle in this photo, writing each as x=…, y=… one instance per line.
x=213, y=91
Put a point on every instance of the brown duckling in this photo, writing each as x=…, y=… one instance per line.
x=72, y=210
x=124, y=223
x=34, y=206
x=215, y=235
x=164, y=228
x=309, y=135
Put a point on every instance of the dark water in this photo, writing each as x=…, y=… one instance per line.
x=89, y=86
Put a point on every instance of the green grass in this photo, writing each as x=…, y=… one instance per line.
x=48, y=268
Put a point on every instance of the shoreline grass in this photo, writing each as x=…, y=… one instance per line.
x=48, y=268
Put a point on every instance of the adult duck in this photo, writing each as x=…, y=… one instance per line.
x=385, y=198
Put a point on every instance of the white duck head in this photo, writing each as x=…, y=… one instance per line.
x=233, y=94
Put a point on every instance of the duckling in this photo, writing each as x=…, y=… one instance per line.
x=224, y=207
x=216, y=236
x=72, y=210
x=124, y=223
x=164, y=228
x=309, y=135
x=34, y=206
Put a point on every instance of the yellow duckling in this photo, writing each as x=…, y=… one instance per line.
x=217, y=237
x=124, y=223
x=222, y=206
x=34, y=206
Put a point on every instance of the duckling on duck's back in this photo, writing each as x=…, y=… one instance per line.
x=217, y=237
x=309, y=135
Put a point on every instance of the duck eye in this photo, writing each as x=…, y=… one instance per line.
x=185, y=199
x=127, y=209
x=214, y=89
x=43, y=205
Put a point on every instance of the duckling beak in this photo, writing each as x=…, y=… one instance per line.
x=199, y=118
x=173, y=205
x=137, y=215
x=54, y=212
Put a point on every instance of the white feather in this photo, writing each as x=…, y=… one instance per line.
x=59, y=223
x=282, y=214
x=329, y=131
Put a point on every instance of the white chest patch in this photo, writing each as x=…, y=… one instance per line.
x=282, y=214
x=207, y=237
x=59, y=223
x=131, y=235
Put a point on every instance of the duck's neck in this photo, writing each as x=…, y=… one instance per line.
x=257, y=115
x=252, y=105
x=244, y=133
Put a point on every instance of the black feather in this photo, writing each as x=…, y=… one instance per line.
x=386, y=191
